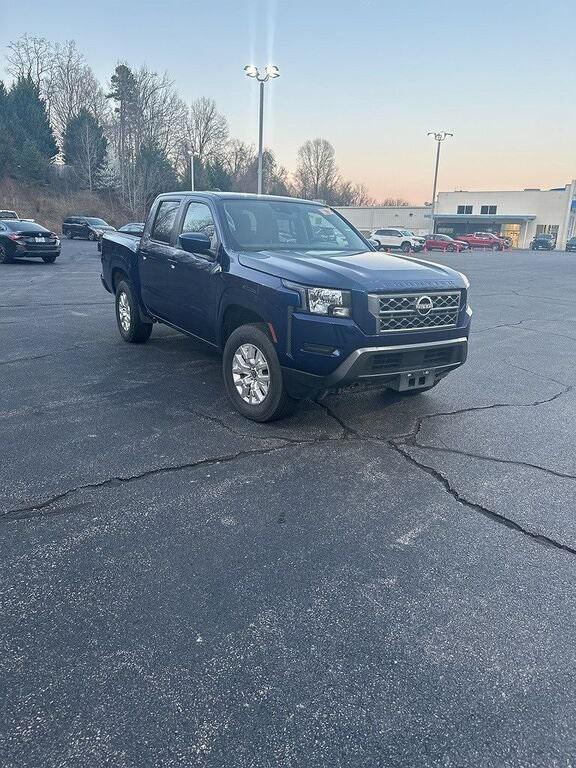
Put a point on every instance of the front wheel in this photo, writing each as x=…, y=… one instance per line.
x=405, y=247
x=451, y=248
x=91, y=236
x=253, y=376
x=131, y=327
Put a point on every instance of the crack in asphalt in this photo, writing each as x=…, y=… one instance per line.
x=527, y=330
x=540, y=538
x=36, y=510
x=401, y=444
x=494, y=459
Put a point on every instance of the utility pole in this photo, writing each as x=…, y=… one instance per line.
x=439, y=137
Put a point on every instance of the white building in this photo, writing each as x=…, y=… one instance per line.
x=519, y=215
x=367, y=218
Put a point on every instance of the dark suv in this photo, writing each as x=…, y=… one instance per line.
x=543, y=242
x=571, y=244
x=86, y=227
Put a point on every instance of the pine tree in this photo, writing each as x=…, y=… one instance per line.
x=28, y=131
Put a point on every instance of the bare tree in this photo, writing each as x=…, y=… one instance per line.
x=394, y=202
x=73, y=87
x=207, y=130
x=33, y=57
x=30, y=57
x=316, y=173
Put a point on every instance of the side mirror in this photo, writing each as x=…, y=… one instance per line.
x=195, y=242
x=374, y=243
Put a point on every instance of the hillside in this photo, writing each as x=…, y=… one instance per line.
x=49, y=207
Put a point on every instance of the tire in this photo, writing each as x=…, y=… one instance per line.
x=5, y=258
x=91, y=236
x=250, y=355
x=496, y=248
x=67, y=235
x=131, y=327
x=405, y=247
x=451, y=248
x=49, y=259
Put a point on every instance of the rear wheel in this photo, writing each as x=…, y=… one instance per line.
x=131, y=327
x=5, y=258
x=49, y=259
x=253, y=376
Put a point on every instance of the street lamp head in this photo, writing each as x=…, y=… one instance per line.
x=251, y=70
x=272, y=71
x=439, y=135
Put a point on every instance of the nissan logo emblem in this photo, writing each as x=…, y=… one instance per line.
x=424, y=305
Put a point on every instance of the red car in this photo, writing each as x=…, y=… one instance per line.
x=486, y=240
x=439, y=242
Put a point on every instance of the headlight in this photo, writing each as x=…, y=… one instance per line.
x=324, y=301
x=328, y=301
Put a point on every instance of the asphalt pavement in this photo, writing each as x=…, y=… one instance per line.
x=377, y=581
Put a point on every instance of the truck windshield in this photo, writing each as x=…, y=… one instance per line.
x=263, y=225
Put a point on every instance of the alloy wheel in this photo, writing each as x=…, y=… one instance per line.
x=251, y=374
x=124, y=311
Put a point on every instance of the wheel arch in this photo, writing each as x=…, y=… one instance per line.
x=235, y=315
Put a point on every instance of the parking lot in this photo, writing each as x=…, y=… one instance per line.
x=377, y=581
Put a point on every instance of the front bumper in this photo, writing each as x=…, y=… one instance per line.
x=401, y=367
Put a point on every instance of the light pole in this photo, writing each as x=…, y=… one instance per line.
x=439, y=137
x=269, y=73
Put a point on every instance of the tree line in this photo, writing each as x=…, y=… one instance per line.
x=134, y=138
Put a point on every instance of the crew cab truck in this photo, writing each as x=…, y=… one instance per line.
x=297, y=300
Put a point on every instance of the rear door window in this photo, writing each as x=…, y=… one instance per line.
x=164, y=221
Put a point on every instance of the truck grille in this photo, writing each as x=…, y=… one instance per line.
x=415, y=311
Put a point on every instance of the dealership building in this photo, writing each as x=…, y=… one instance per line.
x=519, y=215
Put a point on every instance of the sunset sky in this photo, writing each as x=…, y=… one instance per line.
x=371, y=76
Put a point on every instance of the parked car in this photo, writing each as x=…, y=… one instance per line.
x=571, y=244
x=86, y=227
x=136, y=228
x=484, y=240
x=8, y=215
x=26, y=238
x=403, y=239
x=294, y=314
x=438, y=242
x=543, y=242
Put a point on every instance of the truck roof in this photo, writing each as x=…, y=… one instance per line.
x=239, y=196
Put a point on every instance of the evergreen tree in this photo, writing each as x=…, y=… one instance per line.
x=6, y=142
x=26, y=132
x=84, y=147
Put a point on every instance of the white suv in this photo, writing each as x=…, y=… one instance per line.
x=403, y=239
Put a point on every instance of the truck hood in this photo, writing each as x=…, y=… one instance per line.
x=364, y=270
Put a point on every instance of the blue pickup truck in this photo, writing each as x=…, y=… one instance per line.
x=297, y=300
